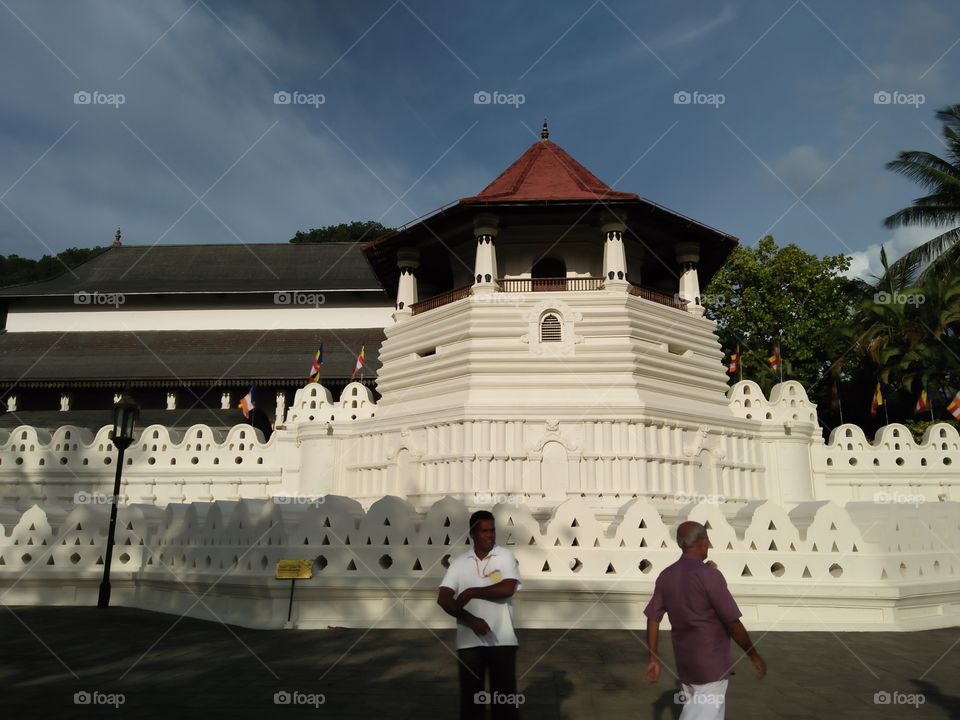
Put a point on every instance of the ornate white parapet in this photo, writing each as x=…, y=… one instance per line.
x=812, y=566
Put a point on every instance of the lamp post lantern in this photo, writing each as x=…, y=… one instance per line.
x=125, y=415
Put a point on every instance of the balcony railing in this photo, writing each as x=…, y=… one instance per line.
x=519, y=285
x=549, y=284
x=441, y=299
x=658, y=297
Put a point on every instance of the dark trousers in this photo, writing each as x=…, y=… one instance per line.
x=475, y=663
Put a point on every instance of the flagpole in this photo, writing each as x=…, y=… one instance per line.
x=780, y=353
x=839, y=401
x=886, y=413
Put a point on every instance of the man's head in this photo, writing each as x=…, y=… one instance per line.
x=692, y=539
x=483, y=531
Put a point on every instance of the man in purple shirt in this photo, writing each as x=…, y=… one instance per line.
x=703, y=618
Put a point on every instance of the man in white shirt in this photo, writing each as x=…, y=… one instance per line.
x=477, y=590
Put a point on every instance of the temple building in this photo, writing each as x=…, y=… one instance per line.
x=188, y=328
x=539, y=348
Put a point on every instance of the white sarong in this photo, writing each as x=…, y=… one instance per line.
x=703, y=702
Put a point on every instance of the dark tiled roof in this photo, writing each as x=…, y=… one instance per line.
x=213, y=268
x=188, y=355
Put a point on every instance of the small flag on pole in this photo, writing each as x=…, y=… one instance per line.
x=315, y=367
x=954, y=407
x=877, y=400
x=922, y=404
x=361, y=362
x=247, y=403
x=774, y=358
x=734, y=361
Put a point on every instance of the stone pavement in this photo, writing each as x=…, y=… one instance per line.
x=166, y=666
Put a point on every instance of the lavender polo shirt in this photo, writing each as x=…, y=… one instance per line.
x=695, y=596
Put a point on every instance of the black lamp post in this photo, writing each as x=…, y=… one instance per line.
x=125, y=415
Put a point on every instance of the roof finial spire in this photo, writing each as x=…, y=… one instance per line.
x=116, y=239
x=544, y=131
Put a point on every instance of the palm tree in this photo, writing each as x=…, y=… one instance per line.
x=941, y=207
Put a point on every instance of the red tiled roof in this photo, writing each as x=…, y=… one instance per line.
x=546, y=172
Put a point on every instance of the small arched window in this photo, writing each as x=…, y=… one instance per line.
x=550, y=328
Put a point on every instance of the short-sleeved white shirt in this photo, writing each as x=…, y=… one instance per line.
x=467, y=571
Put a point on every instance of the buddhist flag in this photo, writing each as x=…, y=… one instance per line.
x=954, y=407
x=361, y=361
x=774, y=358
x=922, y=405
x=314, y=375
x=877, y=400
x=247, y=403
x=734, y=361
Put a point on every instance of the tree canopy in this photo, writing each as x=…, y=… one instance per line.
x=769, y=294
x=16, y=270
x=356, y=231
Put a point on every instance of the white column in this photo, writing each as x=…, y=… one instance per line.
x=408, y=260
x=614, y=257
x=688, y=255
x=485, y=267
x=281, y=407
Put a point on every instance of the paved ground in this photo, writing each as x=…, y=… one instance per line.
x=168, y=668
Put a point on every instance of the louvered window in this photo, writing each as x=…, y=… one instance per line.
x=550, y=329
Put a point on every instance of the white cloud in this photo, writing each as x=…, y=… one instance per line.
x=865, y=264
x=697, y=32
x=801, y=167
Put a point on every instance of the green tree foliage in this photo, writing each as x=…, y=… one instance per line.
x=357, y=231
x=769, y=294
x=909, y=332
x=940, y=208
x=16, y=270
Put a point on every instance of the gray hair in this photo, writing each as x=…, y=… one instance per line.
x=689, y=533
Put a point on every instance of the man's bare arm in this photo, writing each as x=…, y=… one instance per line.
x=653, y=659
x=740, y=636
x=498, y=591
x=452, y=607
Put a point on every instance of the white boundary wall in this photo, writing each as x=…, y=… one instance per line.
x=816, y=566
x=806, y=538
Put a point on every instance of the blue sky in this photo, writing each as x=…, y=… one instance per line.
x=199, y=152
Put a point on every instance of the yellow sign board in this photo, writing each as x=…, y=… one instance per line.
x=294, y=570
